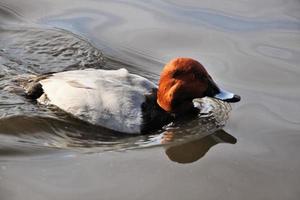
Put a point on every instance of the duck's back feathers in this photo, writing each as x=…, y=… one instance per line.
x=110, y=98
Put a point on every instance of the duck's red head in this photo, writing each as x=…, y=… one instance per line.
x=184, y=79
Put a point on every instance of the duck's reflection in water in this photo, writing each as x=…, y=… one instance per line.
x=192, y=150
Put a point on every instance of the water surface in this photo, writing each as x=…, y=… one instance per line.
x=251, y=48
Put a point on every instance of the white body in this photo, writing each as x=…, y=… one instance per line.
x=109, y=98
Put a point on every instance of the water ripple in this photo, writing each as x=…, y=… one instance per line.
x=68, y=133
x=8, y=15
x=229, y=22
x=210, y=17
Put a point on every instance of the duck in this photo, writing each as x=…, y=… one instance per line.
x=126, y=102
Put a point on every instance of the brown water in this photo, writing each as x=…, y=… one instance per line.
x=249, y=47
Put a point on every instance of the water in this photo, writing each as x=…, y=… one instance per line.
x=249, y=47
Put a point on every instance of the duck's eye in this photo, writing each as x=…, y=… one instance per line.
x=177, y=73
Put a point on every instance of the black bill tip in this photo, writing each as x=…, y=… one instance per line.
x=235, y=98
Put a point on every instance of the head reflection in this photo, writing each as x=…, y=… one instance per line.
x=192, y=150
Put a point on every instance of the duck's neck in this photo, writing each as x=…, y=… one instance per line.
x=154, y=117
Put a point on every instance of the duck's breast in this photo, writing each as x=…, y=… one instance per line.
x=109, y=98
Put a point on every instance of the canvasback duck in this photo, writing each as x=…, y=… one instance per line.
x=125, y=102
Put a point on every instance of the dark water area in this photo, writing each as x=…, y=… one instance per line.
x=249, y=151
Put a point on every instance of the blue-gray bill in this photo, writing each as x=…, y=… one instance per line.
x=227, y=96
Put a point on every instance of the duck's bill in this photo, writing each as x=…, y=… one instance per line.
x=227, y=96
x=218, y=93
